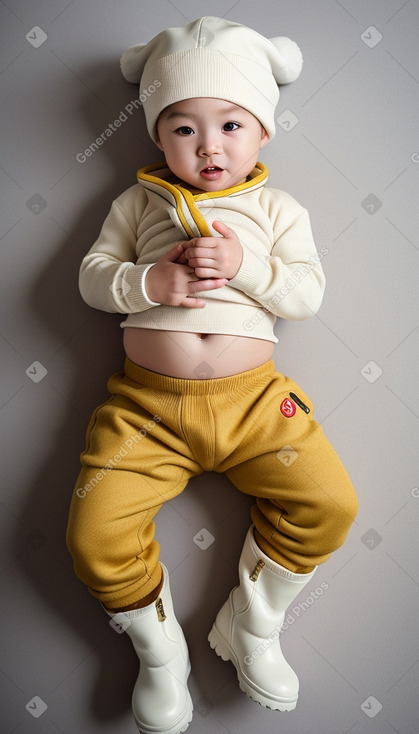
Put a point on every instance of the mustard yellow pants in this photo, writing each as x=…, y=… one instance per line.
x=156, y=432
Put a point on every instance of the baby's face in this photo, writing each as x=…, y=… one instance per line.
x=209, y=143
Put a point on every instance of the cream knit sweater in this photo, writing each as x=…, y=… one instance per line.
x=280, y=274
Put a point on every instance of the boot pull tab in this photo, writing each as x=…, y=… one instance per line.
x=161, y=616
x=253, y=576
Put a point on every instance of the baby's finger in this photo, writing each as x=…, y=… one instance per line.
x=208, y=284
x=222, y=229
x=202, y=262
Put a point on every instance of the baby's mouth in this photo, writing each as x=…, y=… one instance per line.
x=211, y=172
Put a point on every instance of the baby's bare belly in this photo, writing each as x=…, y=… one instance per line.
x=195, y=356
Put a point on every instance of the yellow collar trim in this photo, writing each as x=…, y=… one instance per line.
x=182, y=194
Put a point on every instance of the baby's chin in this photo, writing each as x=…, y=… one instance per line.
x=219, y=183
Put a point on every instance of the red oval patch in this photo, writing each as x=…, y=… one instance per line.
x=288, y=408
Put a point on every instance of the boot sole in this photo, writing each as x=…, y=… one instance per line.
x=226, y=653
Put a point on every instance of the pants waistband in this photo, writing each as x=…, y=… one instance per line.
x=184, y=386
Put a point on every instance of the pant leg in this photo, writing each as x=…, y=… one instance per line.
x=305, y=501
x=134, y=461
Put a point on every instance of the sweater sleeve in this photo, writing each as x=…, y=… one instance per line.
x=109, y=278
x=289, y=281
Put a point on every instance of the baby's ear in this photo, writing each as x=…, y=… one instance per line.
x=289, y=61
x=264, y=138
x=132, y=63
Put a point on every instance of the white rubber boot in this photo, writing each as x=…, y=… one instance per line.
x=247, y=628
x=161, y=701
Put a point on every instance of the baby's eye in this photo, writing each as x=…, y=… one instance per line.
x=230, y=126
x=185, y=130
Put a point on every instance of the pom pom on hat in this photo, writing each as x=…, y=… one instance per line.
x=212, y=57
x=293, y=60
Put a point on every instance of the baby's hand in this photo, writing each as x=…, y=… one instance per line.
x=215, y=257
x=173, y=284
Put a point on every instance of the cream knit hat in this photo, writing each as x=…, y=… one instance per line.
x=212, y=57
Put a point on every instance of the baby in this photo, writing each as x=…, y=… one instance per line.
x=202, y=257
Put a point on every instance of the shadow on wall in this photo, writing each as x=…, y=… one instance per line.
x=89, y=350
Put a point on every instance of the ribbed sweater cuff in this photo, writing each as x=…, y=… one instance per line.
x=136, y=291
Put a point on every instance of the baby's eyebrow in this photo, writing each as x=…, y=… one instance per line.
x=174, y=114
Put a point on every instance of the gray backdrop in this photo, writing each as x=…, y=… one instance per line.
x=347, y=147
